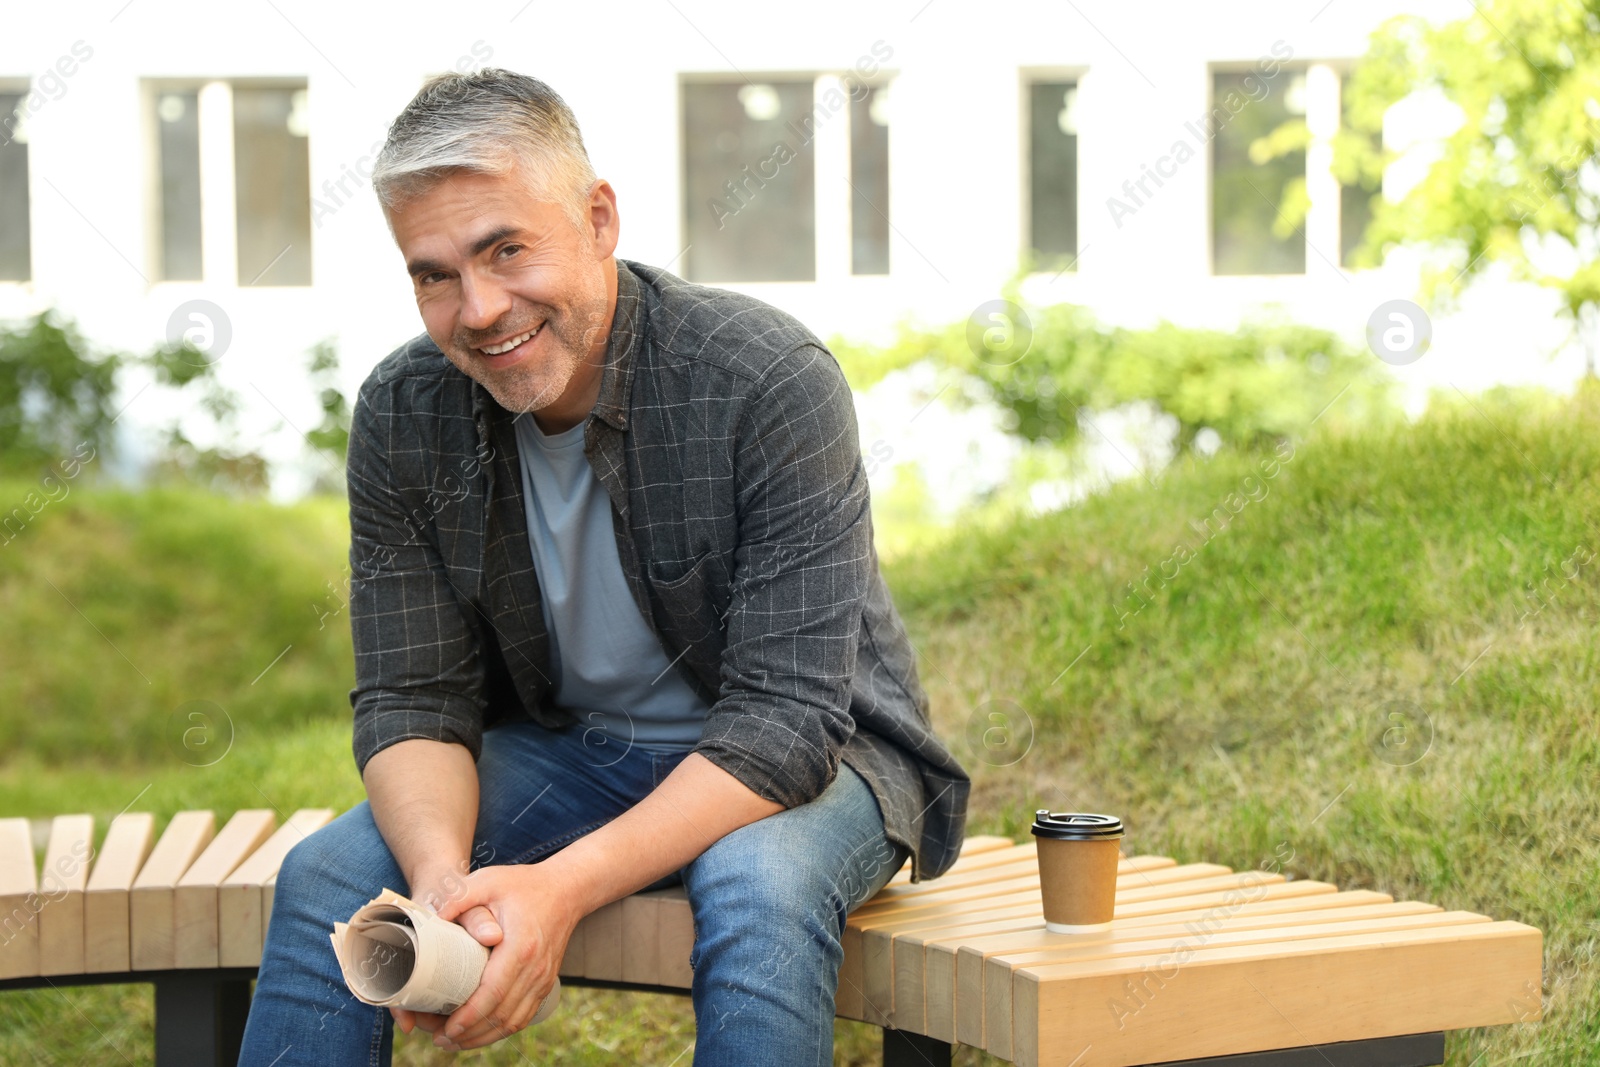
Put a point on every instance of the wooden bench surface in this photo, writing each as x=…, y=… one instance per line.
x=1200, y=960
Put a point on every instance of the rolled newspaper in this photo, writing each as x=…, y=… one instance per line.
x=395, y=953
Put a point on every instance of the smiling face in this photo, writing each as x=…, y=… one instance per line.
x=511, y=291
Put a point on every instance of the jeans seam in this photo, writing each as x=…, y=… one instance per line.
x=376, y=1058
x=556, y=844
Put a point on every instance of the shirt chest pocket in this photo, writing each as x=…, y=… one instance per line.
x=690, y=601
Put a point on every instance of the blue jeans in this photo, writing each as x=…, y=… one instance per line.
x=769, y=903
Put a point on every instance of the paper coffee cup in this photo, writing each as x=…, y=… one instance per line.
x=1078, y=855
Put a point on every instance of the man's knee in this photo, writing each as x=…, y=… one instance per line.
x=347, y=853
x=308, y=860
x=745, y=883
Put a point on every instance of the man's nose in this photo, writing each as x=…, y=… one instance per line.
x=483, y=303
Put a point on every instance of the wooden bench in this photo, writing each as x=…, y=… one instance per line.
x=1202, y=964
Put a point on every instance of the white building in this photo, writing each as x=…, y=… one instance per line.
x=164, y=151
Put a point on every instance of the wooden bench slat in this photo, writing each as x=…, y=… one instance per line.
x=978, y=844
x=1007, y=882
x=1205, y=882
x=602, y=943
x=677, y=938
x=1026, y=901
x=641, y=941
x=944, y=967
x=850, y=1001
x=999, y=972
x=1023, y=861
x=657, y=936
x=895, y=896
x=1034, y=937
x=19, y=926
x=1309, y=992
x=241, y=916
x=106, y=905
x=195, y=902
x=1146, y=877
x=150, y=902
x=971, y=850
x=1274, y=889
x=876, y=946
x=926, y=959
x=572, y=961
x=955, y=973
x=957, y=970
x=1132, y=875
x=62, y=883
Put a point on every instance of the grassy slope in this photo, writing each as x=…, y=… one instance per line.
x=1239, y=717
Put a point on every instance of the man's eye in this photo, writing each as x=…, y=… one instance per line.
x=431, y=277
x=510, y=250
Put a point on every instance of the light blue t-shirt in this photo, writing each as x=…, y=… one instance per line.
x=609, y=667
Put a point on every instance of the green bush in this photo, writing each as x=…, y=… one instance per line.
x=1263, y=382
x=56, y=400
x=54, y=394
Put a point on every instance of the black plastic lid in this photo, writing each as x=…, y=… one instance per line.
x=1076, y=826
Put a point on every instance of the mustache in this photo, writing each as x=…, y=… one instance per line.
x=499, y=332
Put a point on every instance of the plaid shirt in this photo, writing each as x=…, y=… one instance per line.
x=725, y=436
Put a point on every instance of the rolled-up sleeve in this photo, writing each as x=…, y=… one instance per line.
x=419, y=670
x=801, y=571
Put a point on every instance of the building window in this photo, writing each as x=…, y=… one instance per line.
x=1247, y=234
x=750, y=181
x=1355, y=199
x=869, y=180
x=178, y=164
x=1053, y=173
x=785, y=180
x=16, y=242
x=232, y=198
x=272, y=186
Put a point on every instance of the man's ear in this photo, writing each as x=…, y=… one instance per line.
x=605, y=226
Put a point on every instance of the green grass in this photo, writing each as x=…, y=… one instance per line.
x=121, y=610
x=1238, y=716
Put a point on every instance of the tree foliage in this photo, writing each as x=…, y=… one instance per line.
x=54, y=393
x=332, y=434
x=1058, y=366
x=1517, y=181
x=57, y=393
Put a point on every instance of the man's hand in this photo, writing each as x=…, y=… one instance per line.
x=530, y=920
x=424, y=797
x=532, y=909
x=432, y=891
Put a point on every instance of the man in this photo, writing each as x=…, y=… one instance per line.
x=623, y=520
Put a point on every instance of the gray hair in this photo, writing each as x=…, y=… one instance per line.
x=488, y=122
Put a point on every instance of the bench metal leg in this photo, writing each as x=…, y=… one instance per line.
x=904, y=1049
x=200, y=1019
x=1411, y=1050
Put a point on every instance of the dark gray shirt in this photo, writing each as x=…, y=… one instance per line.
x=725, y=436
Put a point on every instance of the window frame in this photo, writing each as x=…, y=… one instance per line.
x=23, y=86
x=831, y=251
x=877, y=82
x=214, y=274
x=1317, y=216
x=1294, y=64
x=1027, y=78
